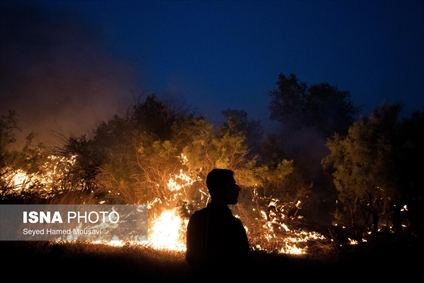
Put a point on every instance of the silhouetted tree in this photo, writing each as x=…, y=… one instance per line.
x=329, y=110
x=408, y=157
x=288, y=101
x=321, y=106
x=307, y=117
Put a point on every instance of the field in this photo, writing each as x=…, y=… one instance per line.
x=383, y=259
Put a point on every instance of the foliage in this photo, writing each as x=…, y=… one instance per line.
x=368, y=169
x=251, y=129
x=133, y=157
x=86, y=159
x=409, y=155
x=307, y=116
x=135, y=153
x=8, y=124
x=321, y=106
x=34, y=173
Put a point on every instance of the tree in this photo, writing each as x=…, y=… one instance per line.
x=87, y=159
x=321, y=106
x=288, y=101
x=8, y=124
x=408, y=156
x=308, y=115
x=139, y=157
x=365, y=172
x=329, y=110
x=251, y=129
x=155, y=116
x=137, y=154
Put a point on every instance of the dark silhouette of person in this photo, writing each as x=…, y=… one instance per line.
x=217, y=244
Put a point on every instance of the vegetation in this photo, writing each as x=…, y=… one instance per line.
x=371, y=174
x=321, y=106
x=324, y=170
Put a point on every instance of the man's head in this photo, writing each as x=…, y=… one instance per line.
x=222, y=186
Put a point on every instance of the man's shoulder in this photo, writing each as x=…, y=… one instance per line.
x=198, y=214
x=200, y=211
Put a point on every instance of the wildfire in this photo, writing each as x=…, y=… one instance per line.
x=168, y=229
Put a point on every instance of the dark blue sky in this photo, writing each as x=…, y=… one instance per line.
x=215, y=55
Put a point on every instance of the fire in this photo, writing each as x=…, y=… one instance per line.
x=352, y=241
x=293, y=250
x=276, y=235
x=168, y=231
x=179, y=181
x=49, y=174
x=19, y=180
x=293, y=242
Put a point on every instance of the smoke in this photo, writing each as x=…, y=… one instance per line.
x=58, y=72
x=307, y=146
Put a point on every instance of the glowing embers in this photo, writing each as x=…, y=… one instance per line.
x=294, y=242
x=275, y=234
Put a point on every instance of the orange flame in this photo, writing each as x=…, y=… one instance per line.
x=168, y=231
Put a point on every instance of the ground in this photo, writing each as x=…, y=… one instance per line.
x=382, y=260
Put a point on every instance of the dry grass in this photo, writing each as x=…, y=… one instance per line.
x=85, y=261
x=52, y=262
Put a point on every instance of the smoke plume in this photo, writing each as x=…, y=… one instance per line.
x=57, y=72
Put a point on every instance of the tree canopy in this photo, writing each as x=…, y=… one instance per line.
x=367, y=171
x=297, y=105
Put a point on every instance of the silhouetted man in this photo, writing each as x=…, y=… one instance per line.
x=217, y=245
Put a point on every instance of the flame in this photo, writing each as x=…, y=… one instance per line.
x=275, y=235
x=54, y=169
x=293, y=250
x=352, y=241
x=168, y=231
x=294, y=242
x=179, y=181
x=19, y=180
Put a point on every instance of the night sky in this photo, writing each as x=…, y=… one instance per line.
x=69, y=64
